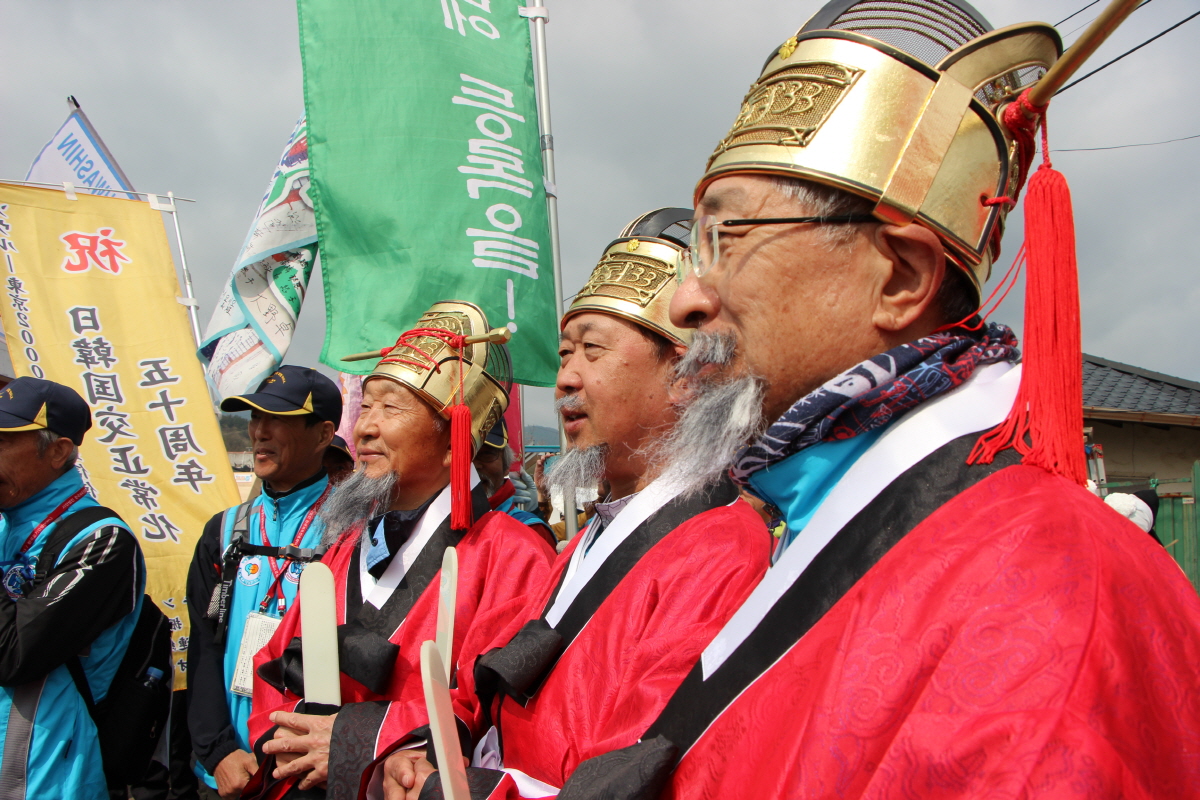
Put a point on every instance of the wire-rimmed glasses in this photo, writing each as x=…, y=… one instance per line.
x=705, y=250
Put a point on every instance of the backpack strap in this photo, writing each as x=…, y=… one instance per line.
x=66, y=530
x=229, y=566
x=75, y=667
x=239, y=548
x=60, y=537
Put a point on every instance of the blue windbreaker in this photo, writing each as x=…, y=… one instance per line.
x=103, y=581
x=283, y=518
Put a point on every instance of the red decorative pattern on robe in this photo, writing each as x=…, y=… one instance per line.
x=500, y=562
x=1023, y=641
x=617, y=675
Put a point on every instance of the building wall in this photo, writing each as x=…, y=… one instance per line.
x=1136, y=451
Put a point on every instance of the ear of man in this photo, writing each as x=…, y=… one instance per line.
x=913, y=265
x=328, y=431
x=59, y=452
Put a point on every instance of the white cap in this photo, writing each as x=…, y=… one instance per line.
x=1132, y=508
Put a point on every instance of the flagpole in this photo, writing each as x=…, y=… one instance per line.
x=538, y=15
x=192, y=304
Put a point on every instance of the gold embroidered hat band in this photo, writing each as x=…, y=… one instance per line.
x=636, y=276
x=897, y=102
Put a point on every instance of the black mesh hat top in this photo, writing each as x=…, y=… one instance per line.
x=499, y=366
x=672, y=224
x=925, y=29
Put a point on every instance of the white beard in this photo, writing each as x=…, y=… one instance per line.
x=355, y=500
x=718, y=418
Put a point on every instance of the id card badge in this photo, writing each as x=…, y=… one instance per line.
x=258, y=631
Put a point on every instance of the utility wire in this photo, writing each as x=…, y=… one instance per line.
x=1123, y=146
x=1080, y=11
x=1127, y=52
x=1083, y=25
x=1080, y=26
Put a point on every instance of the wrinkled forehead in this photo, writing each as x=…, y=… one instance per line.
x=595, y=323
x=377, y=387
x=741, y=193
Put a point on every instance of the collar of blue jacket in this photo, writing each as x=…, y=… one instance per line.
x=18, y=522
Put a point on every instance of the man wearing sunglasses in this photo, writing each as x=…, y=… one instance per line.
x=946, y=615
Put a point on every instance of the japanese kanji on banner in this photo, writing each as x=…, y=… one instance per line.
x=90, y=302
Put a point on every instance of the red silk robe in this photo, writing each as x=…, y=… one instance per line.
x=614, y=678
x=1023, y=641
x=500, y=561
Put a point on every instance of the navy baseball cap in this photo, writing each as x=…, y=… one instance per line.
x=340, y=445
x=292, y=391
x=497, y=437
x=32, y=404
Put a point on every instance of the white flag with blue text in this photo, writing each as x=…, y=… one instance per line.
x=77, y=155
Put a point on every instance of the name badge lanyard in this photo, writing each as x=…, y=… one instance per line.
x=18, y=574
x=50, y=520
x=279, y=566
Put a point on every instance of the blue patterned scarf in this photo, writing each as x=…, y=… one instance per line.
x=877, y=392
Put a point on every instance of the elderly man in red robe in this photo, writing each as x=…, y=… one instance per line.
x=388, y=526
x=592, y=657
x=950, y=613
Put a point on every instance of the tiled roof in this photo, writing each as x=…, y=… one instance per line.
x=1110, y=384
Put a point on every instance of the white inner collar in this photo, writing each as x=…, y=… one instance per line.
x=377, y=592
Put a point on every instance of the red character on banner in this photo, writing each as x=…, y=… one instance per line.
x=98, y=249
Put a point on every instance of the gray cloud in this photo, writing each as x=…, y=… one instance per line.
x=199, y=98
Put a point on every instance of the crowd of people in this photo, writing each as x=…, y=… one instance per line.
x=801, y=577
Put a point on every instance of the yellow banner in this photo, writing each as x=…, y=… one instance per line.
x=90, y=302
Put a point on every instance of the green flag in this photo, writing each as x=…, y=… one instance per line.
x=427, y=172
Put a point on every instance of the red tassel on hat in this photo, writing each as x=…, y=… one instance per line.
x=1046, y=421
x=460, y=467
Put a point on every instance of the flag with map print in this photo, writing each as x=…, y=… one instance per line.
x=252, y=326
x=427, y=173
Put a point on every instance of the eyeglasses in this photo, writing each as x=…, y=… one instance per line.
x=705, y=249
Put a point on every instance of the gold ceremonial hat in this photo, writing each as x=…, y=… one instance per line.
x=451, y=357
x=899, y=102
x=636, y=276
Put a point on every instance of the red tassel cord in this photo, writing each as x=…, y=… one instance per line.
x=460, y=467
x=406, y=352
x=1046, y=421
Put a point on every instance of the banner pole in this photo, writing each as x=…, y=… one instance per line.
x=538, y=15
x=192, y=305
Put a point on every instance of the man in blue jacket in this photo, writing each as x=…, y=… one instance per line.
x=86, y=605
x=246, y=570
x=493, y=463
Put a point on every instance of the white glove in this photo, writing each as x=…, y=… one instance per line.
x=525, y=496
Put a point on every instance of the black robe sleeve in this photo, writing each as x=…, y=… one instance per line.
x=209, y=723
x=93, y=586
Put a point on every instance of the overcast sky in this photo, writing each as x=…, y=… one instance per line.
x=199, y=98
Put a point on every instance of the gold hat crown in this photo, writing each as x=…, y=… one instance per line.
x=897, y=101
x=636, y=276
x=449, y=357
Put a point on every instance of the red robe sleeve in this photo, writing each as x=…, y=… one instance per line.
x=1024, y=641
x=500, y=561
x=617, y=675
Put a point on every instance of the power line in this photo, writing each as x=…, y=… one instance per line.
x=1127, y=52
x=1123, y=146
x=1083, y=25
x=1080, y=26
x=1080, y=11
